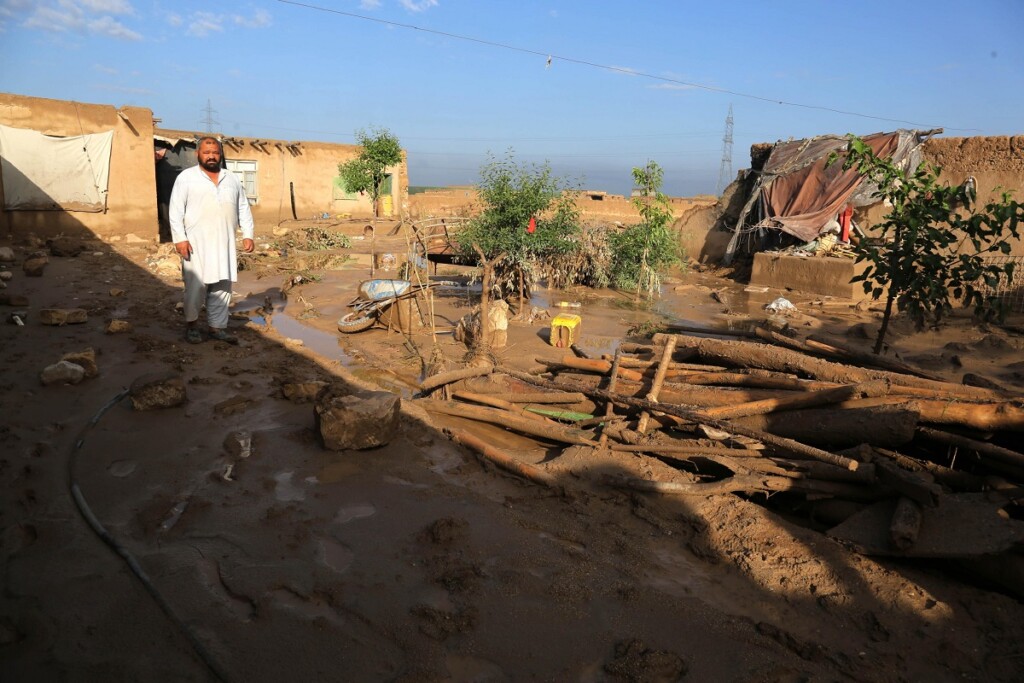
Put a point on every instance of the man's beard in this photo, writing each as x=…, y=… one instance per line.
x=211, y=164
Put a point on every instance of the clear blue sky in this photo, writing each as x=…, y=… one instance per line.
x=281, y=70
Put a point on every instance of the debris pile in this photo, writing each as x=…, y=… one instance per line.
x=883, y=457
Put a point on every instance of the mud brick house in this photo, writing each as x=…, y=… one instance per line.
x=77, y=169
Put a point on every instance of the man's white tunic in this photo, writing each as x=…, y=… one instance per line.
x=207, y=215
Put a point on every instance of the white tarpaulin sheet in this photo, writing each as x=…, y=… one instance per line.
x=46, y=173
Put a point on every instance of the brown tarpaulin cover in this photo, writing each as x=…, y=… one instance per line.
x=803, y=200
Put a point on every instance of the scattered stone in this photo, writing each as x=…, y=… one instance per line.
x=234, y=405
x=132, y=238
x=281, y=231
x=302, y=392
x=118, y=327
x=63, y=372
x=115, y=291
x=63, y=316
x=18, y=318
x=6, y=275
x=65, y=246
x=158, y=390
x=6, y=254
x=117, y=269
x=238, y=444
x=98, y=253
x=633, y=661
x=86, y=358
x=3, y=285
x=35, y=265
x=356, y=421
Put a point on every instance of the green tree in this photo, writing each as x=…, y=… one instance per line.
x=512, y=194
x=934, y=244
x=641, y=252
x=368, y=171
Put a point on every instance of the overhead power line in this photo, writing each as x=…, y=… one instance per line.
x=550, y=56
x=503, y=139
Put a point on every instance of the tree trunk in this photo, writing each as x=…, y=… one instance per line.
x=894, y=290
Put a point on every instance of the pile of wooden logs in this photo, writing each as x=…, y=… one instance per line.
x=883, y=457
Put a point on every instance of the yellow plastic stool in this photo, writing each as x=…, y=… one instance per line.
x=564, y=328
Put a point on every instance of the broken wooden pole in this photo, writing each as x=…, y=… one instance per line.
x=835, y=428
x=808, y=399
x=782, y=443
x=440, y=379
x=502, y=459
x=840, y=349
x=982, y=448
x=685, y=450
x=591, y=365
x=755, y=355
x=502, y=418
x=695, y=329
x=749, y=483
x=659, y=380
x=986, y=417
x=498, y=403
x=918, y=486
x=609, y=409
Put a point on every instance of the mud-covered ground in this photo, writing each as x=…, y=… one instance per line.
x=414, y=562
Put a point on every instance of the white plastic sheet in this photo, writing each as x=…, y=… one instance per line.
x=46, y=173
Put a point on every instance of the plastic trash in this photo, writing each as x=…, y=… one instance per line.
x=781, y=305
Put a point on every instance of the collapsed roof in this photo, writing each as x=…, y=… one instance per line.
x=798, y=193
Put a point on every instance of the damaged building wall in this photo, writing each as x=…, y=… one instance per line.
x=310, y=170
x=131, y=187
x=996, y=162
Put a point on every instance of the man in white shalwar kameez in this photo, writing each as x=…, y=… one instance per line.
x=207, y=206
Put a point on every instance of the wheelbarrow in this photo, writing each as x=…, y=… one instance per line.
x=375, y=297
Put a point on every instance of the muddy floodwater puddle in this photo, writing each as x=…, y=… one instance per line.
x=319, y=342
x=356, y=511
x=335, y=472
x=122, y=468
x=286, y=491
x=335, y=555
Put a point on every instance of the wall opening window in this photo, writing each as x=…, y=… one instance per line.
x=245, y=171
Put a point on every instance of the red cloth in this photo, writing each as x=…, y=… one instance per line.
x=844, y=223
x=532, y=227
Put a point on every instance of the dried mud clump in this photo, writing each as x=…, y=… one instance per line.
x=634, y=662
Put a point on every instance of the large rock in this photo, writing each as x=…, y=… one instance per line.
x=86, y=358
x=302, y=392
x=158, y=390
x=63, y=316
x=6, y=275
x=65, y=246
x=356, y=421
x=118, y=326
x=62, y=373
x=35, y=265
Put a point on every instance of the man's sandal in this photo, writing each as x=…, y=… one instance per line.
x=193, y=336
x=222, y=335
